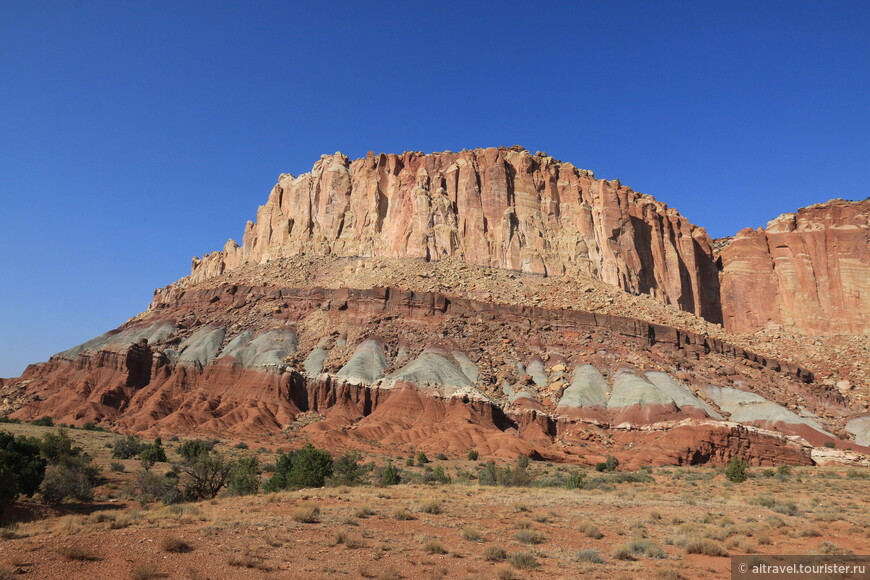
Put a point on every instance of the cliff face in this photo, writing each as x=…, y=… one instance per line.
x=808, y=271
x=502, y=208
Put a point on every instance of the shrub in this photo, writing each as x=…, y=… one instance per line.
x=193, y=449
x=206, y=475
x=590, y=555
x=471, y=534
x=22, y=469
x=530, y=537
x=436, y=475
x=117, y=467
x=241, y=445
x=62, y=482
x=828, y=444
x=610, y=464
x=388, y=475
x=422, y=459
x=473, y=455
x=244, y=477
x=523, y=461
x=431, y=506
x=441, y=457
x=127, y=448
x=347, y=470
x=44, y=421
x=402, y=514
x=705, y=547
x=153, y=487
x=306, y=514
x=305, y=467
x=575, y=480
x=176, y=545
x=494, y=554
x=77, y=553
x=590, y=530
x=153, y=453
x=523, y=561
x=434, y=547
x=736, y=470
x=622, y=552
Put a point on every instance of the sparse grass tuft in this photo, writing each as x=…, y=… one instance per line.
x=590, y=555
x=434, y=547
x=705, y=547
x=523, y=561
x=590, y=530
x=494, y=554
x=176, y=545
x=363, y=511
x=431, y=506
x=530, y=537
x=402, y=514
x=471, y=534
x=307, y=514
x=77, y=553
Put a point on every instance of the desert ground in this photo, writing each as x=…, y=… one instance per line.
x=664, y=522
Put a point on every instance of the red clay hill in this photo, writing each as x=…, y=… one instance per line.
x=499, y=301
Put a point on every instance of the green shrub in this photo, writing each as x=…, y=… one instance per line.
x=473, y=455
x=154, y=487
x=205, y=475
x=62, y=482
x=422, y=459
x=22, y=468
x=127, y=448
x=387, y=475
x=192, y=449
x=305, y=467
x=244, y=477
x=347, y=470
x=736, y=470
x=152, y=453
x=828, y=444
x=45, y=421
x=609, y=464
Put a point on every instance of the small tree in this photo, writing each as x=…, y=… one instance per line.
x=206, y=475
x=736, y=470
x=347, y=470
x=244, y=477
x=609, y=464
x=152, y=453
x=305, y=467
x=388, y=475
x=473, y=455
x=192, y=449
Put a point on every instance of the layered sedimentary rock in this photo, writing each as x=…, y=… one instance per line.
x=427, y=371
x=502, y=208
x=808, y=271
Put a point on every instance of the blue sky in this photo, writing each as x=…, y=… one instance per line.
x=134, y=136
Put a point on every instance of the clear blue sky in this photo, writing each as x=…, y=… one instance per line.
x=135, y=135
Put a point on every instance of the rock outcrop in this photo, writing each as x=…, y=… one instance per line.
x=808, y=271
x=497, y=207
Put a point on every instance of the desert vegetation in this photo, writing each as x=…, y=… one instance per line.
x=74, y=490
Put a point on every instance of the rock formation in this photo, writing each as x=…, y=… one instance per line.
x=808, y=271
x=503, y=208
x=491, y=300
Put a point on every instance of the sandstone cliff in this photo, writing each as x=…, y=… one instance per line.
x=502, y=208
x=808, y=271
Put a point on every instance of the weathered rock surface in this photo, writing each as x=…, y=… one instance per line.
x=503, y=208
x=809, y=271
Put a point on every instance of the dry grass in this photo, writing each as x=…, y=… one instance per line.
x=494, y=554
x=175, y=545
x=431, y=506
x=306, y=513
x=77, y=553
x=145, y=572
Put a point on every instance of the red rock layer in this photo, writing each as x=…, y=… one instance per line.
x=502, y=208
x=808, y=271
